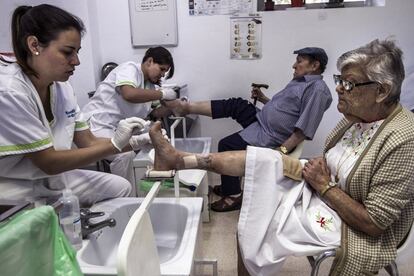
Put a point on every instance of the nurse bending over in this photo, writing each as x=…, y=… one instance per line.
x=41, y=118
x=357, y=198
x=129, y=91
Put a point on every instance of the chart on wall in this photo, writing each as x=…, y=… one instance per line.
x=246, y=37
x=216, y=7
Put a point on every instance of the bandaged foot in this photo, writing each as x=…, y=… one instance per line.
x=166, y=157
x=178, y=107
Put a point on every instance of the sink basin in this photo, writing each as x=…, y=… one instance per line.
x=176, y=224
x=195, y=145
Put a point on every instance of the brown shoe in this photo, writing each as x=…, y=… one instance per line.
x=227, y=204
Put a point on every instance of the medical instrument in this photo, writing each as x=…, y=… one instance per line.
x=258, y=85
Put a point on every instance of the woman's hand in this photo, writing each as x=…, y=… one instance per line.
x=124, y=131
x=316, y=173
x=352, y=212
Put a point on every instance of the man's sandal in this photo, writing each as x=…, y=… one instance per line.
x=227, y=204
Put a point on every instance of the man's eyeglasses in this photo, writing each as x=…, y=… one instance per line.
x=348, y=85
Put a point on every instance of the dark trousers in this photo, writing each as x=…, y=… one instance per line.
x=243, y=112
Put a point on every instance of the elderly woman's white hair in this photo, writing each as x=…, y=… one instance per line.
x=381, y=60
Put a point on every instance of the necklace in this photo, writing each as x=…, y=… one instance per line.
x=355, y=139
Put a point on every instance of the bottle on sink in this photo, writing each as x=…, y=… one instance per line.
x=69, y=218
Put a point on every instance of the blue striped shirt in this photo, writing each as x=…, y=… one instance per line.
x=300, y=104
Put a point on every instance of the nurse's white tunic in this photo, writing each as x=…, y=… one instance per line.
x=107, y=107
x=25, y=129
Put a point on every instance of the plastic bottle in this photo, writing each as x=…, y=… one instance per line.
x=69, y=218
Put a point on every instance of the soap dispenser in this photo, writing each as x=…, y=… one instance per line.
x=69, y=218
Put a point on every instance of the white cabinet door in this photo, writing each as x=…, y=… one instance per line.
x=153, y=22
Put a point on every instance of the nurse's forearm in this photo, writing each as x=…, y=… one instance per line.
x=139, y=95
x=52, y=161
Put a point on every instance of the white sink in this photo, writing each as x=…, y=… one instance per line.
x=176, y=224
x=195, y=145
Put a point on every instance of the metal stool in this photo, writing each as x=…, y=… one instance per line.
x=315, y=262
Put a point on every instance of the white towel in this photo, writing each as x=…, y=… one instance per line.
x=280, y=217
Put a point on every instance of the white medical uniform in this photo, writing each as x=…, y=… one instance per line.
x=25, y=129
x=107, y=107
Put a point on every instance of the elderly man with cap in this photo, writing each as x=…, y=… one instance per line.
x=291, y=116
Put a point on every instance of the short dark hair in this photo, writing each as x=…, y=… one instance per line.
x=314, y=54
x=311, y=59
x=43, y=21
x=162, y=56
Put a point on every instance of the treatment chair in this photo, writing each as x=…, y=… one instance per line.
x=405, y=254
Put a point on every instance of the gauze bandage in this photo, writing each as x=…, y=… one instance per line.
x=190, y=161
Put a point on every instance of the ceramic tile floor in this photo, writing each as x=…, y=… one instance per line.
x=219, y=242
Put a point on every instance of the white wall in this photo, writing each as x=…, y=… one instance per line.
x=83, y=80
x=202, y=55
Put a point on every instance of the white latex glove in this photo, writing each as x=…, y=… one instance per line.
x=168, y=94
x=124, y=131
x=137, y=141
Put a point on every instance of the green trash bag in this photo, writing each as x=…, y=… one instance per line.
x=32, y=243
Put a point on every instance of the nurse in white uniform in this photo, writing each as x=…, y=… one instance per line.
x=129, y=90
x=41, y=119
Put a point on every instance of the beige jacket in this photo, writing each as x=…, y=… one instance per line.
x=383, y=180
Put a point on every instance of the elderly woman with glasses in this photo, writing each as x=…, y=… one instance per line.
x=357, y=198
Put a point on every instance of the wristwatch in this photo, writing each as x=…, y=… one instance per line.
x=283, y=149
x=327, y=187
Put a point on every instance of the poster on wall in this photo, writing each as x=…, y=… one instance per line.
x=151, y=5
x=246, y=37
x=217, y=7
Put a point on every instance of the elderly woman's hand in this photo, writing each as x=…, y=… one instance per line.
x=316, y=173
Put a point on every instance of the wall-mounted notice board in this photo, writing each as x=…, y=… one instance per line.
x=153, y=22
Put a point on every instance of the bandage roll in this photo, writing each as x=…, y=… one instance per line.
x=163, y=174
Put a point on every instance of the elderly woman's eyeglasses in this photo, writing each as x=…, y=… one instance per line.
x=348, y=85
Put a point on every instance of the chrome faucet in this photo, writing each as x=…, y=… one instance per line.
x=87, y=227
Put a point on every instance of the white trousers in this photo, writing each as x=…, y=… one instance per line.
x=89, y=186
x=280, y=217
x=121, y=164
